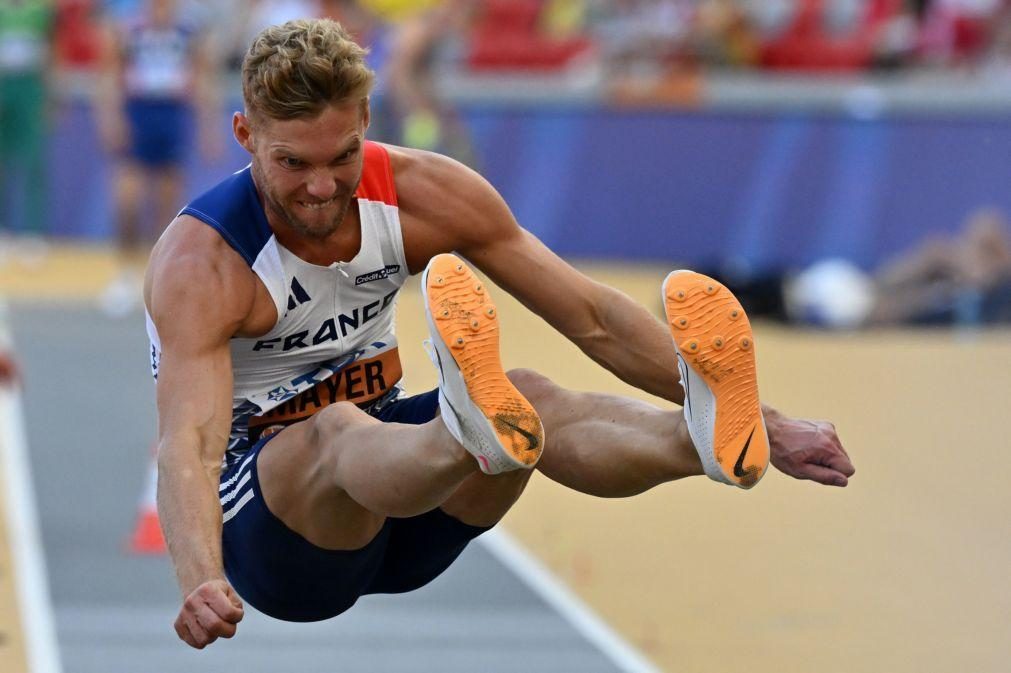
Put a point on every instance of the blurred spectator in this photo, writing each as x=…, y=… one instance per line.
x=271, y=12
x=841, y=35
x=565, y=19
x=962, y=280
x=158, y=67
x=648, y=48
x=894, y=43
x=956, y=32
x=77, y=46
x=524, y=34
x=997, y=61
x=263, y=13
x=373, y=31
x=419, y=117
x=644, y=34
x=645, y=38
x=239, y=21
x=725, y=34
x=25, y=60
x=360, y=22
x=792, y=35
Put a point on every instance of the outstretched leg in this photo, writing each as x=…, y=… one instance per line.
x=602, y=445
x=606, y=445
x=611, y=446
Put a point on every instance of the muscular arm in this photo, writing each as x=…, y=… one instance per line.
x=446, y=207
x=603, y=322
x=198, y=300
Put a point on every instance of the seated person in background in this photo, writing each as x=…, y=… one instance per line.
x=965, y=279
x=961, y=279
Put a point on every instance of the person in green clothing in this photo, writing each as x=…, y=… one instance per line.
x=25, y=37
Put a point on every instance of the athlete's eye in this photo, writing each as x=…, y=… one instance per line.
x=291, y=162
x=346, y=156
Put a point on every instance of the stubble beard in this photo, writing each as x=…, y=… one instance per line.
x=276, y=206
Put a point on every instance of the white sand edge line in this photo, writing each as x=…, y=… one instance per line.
x=23, y=523
x=543, y=582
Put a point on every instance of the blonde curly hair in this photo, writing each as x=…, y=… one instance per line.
x=298, y=68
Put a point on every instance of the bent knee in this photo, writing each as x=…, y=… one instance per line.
x=537, y=388
x=337, y=417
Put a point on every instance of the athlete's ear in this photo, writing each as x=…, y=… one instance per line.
x=366, y=114
x=242, y=130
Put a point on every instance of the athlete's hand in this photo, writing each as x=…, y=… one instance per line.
x=807, y=449
x=210, y=612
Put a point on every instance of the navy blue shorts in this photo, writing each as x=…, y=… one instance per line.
x=159, y=131
x=280, y=573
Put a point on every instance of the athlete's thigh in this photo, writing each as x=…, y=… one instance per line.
x=481, y=500
x=297, y=472
x=275, y=569
x=420, y=548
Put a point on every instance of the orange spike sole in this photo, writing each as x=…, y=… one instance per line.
x=467, y=322
x=714, y=336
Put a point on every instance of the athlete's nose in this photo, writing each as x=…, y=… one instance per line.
x=321, y=185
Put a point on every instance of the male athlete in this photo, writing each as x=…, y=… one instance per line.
x=291, y=466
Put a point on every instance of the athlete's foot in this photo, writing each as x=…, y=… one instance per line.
x=480, y=406
x=716, y=357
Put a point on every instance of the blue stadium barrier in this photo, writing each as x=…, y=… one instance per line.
x=759, y=190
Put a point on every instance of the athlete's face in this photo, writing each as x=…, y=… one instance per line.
x=307, y=170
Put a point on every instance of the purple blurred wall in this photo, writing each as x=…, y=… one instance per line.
x=700, y=188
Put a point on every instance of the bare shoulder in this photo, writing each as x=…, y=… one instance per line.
x=445, y=206
x=196, y=279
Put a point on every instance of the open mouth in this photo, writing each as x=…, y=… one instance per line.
x=317, y=206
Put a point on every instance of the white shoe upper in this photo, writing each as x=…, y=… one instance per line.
x=700, y=414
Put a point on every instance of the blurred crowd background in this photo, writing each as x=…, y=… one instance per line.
x=839, y=163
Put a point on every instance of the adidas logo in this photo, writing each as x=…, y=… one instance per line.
x=298, y=295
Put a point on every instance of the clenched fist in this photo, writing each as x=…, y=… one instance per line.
x=210, y=612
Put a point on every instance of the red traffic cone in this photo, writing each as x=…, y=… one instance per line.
x=147, y=537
